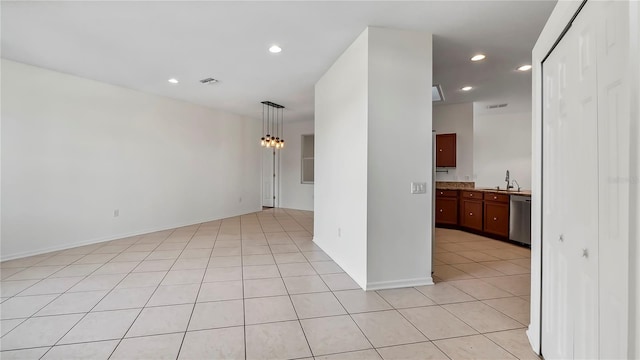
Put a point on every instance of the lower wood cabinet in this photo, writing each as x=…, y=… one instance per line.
x=471, y=214
x=477, y=211
x=496, y=214
x=496, y=218
x=447, y=210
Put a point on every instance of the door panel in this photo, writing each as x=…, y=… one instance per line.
x=557, y=319
x=614, y=148
x=267, y=177
x=583, y=167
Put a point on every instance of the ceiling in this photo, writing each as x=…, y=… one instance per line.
x=140, y=45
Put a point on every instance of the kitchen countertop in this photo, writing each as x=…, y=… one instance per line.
x=510, y=192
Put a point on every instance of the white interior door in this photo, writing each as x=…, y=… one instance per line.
x=557, y=319
x=614, y=149
x=268, y=177
x=585, y=197
x=570, y=170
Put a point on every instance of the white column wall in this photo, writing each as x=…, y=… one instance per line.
x=634, y=190
x=340, y=188
x=373, y=138
x=74, y=150
x=399, y=152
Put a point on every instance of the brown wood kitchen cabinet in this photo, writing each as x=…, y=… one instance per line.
x=446, y=150
x=471, y=210
x=447, y=207
x=496, y=214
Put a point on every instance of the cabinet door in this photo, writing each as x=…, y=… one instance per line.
x=447, y=211
x=471, y=214
x=446, y=150
x=496, y=218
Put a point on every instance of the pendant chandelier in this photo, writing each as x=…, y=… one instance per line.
x=272, y=125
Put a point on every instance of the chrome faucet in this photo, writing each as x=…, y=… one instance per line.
x=509, y=185
x=514, y=181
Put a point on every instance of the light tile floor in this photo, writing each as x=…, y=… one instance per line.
x=257, y=287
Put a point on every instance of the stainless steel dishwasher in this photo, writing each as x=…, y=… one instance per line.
x=520, y=219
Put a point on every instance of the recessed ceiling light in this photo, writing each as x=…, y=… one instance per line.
x=275, y=49
x=478, y=57
x=466, y=88
x=173, y=81
x=524, y=68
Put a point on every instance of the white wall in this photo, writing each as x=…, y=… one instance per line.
x=399, y=152
x=294, y=194
x=340, y=189
x=74, y=150
x=458, y=119
x=634, y=191
x=501, y=142
x=372, y=109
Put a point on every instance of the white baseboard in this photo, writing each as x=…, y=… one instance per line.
x=394, y=284
x=108, y=238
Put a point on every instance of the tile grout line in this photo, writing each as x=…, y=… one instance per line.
x=34, y=315
x=153, y=293
x=244, y=317
x=287, y=289
x=57, y=297
x=58, y=294
x=195, y=301
x=87, y=313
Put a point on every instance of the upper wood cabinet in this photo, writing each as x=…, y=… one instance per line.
x=446, y=150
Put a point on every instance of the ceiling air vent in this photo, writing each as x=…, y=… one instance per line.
x=209, y=81
x=497, y=106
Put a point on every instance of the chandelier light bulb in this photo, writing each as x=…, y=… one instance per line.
x=262, y=141
x=281, y=144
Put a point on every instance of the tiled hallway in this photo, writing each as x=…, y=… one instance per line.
x=257, y=287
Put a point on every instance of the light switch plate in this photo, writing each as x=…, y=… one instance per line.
x=418, y=188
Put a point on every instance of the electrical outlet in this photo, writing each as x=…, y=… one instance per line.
x=418, y=188
x=116, y=212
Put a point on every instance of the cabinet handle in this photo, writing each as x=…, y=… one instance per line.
x=495, y=197
x=440, y=150
x=440, y=210
x=470, y=195
x=495, y=219
x=470, y=214
x=441, y=193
